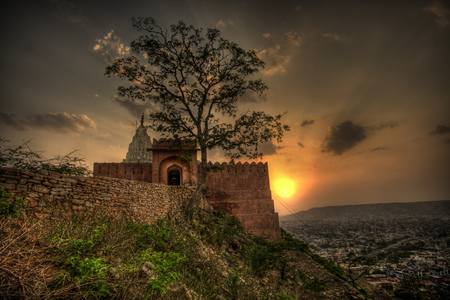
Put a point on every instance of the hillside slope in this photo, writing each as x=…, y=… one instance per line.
x=390, y=210
x=101, y=257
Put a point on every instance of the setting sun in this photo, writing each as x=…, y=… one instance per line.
x=284, y=187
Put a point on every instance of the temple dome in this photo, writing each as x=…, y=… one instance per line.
x=137, y=150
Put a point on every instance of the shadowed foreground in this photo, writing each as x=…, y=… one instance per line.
x=99, y=257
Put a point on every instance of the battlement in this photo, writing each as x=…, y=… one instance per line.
x=165, y=144
x=239, y=167
x=130, y=171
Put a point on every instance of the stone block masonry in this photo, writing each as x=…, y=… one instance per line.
x=243, y=190
x=142, y=201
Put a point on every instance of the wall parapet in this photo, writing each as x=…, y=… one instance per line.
x=239, y=167
x=142, y=201
x=129, y=171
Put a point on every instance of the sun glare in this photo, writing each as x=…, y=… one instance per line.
x=284, y=187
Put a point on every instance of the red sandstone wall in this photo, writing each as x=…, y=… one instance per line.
x=130, y=171
x=163, y=159
x=243, y=190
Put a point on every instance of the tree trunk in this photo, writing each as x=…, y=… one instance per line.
x=198, y=201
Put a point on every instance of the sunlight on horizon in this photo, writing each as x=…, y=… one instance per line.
x=285, y=187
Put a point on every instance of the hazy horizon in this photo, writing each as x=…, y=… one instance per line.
x=363, y=204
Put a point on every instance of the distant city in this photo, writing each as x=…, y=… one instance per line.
x=404, y=240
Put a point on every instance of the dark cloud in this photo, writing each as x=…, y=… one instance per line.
x=441, y=129
x=68, y=11
x=135, y=108
x=269, y=148
x=378, y=149
x=61, y=122
x=383, y=125
x=343, y=137
x=441, y=13
x=11, y=120
x=307, y=123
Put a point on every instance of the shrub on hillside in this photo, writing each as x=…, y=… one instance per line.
x=22, y=157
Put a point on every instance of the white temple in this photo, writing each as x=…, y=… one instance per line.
x=137, y=150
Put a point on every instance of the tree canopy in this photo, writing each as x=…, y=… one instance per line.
x=196, y=79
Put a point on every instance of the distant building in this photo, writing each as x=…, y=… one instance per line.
x=242, y=190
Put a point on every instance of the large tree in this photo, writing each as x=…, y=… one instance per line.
x=196, y=79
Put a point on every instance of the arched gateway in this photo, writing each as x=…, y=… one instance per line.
x=174, y=175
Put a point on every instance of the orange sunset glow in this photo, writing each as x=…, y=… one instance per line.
x=364, y=87
x=285, y=188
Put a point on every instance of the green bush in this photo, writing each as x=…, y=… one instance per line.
x=79, y=264
x=284, y=296
x=22, y=157
x=218, y=228
x=315, y=284
x=164, y=264
x=9, y=206
x=329, y=266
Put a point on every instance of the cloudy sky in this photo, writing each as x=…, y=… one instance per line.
x=365, y=84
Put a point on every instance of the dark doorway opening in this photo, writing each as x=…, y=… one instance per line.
x=174, y=175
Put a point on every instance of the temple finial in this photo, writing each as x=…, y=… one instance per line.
x=142, y=120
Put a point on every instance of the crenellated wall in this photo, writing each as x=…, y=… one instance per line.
x=130, y=171
x=45, y=191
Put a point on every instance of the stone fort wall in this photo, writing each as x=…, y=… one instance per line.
x=130, y=171
x=46, y=191
x=241, y=189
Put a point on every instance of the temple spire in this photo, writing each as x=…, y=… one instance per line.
x=137, y=150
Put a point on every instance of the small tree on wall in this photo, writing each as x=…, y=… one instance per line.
x=197, y=80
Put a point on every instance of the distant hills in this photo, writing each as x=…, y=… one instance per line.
x=389, y=210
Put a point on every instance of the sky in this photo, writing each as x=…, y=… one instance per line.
x=365, y=86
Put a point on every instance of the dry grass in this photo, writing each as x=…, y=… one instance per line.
x=27, y=264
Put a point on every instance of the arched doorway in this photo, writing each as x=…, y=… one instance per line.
x=174, y=175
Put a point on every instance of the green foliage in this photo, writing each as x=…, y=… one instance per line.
x=75, y=249
x=219, y=229
x=284, y=296
x=162, y=282
x=22, y=157
x=264, y=255
x=408, y=290
x=288, y=242
x=234, y=284
x=261, y=255
x=163, y=266
x=147, y=235
x=315, y=284
x=80, y=269
x=329, y=266
x=78, y=264
x=8, y=205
